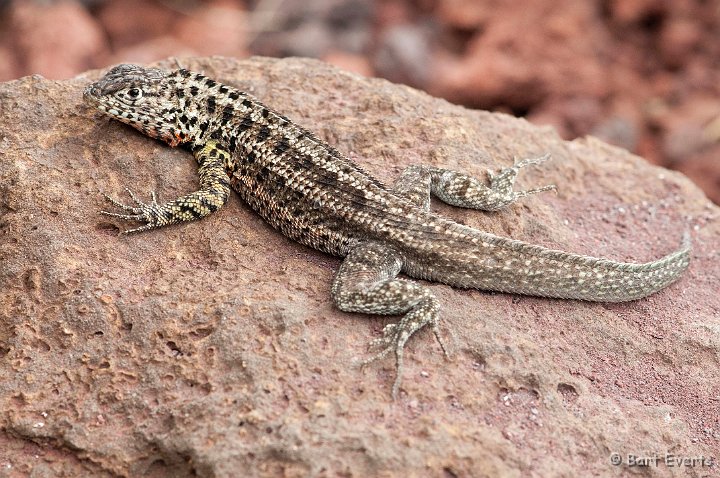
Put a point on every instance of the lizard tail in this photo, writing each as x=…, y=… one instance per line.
x=507, y=265
x=574, y=276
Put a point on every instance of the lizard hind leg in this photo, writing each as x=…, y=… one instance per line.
x=367, y=282
x=457, y=189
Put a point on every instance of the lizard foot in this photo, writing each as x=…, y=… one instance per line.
x=396, y=335
x=150, y=214
x=506, y=177
x=531, y=162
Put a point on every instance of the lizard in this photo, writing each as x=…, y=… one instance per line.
x=315, y=195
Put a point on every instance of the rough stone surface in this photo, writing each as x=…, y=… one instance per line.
x=212, y=348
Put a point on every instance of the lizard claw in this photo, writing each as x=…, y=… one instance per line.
x=396, y=335
x=531, y=161
x=394, y=340
x=522, y=194
x=142, y=212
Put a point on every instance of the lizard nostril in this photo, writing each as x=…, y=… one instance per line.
x=90, y=92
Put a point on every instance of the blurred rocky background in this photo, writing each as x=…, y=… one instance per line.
x=642, y=74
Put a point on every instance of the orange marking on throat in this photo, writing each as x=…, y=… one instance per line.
x=176, y=138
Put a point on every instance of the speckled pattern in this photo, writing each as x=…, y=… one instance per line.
x=313, y=194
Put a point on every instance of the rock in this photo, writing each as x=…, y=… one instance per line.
x=635, y=11
x=8, y=63
x=151, y=50
x=404, y=55
x=311, y=28
x=132, y=22
x=465, y=14
x=349, y=62
x=218, y=29
x=212, y=348
x=678, y=39
x=499, y=66
x=57, y=40
x=702, y=167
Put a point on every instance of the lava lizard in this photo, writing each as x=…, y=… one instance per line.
x=318, y=197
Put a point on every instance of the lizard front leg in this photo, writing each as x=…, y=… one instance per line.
x=213, y=193
x=418, y=182
x=367, y=282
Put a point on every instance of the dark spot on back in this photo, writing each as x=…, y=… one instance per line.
x=263, y=134
x=263, y=174
x=246, y=124
x=210, y=83
x=194, y=90
x=227, y=114
x=247, y=103
x=234, y=95
x=330, y=179
x=281, y=146
x=223, y=89
x=211, y=104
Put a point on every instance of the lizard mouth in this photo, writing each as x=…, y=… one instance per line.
x=92, y=91
x=92, y=94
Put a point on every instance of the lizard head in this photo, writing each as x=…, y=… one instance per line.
x=141, y=97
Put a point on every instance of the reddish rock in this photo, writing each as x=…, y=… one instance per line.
x=634, y=11
x=356, y=63
x=212, y=348
x=702, y=167
x=9, y=67
x=404, y=55
x=678, y=41
x=218, y=28
x=56, y=40
x=150, y=50
x=132, y=22
x=684, y=126
x=500, y=67
x=394, y=12
x=312, y=28
x=466, y=14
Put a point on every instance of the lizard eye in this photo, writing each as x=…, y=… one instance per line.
x=134, y=93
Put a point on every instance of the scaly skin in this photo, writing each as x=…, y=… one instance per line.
x=315, y=195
